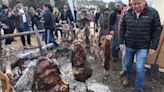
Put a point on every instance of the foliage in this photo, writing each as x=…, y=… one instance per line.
x=111, y=6
x=37, y=3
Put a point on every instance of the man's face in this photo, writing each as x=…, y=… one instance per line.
x=138, y=5
x=106, y=12
x=119, y=7
x=84, y=10
x=65, y=7
x=45, y=8
x=6, y=10
x=19, y=5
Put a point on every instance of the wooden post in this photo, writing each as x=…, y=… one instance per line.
x=1, y=61
x=39, y=42
x=19, y=34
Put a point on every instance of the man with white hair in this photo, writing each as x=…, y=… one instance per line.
x=140, y=32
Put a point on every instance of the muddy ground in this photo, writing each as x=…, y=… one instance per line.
x=113, y=80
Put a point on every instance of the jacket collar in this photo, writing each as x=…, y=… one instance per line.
x=142, y=12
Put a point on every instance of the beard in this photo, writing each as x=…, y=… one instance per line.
x=119, y=11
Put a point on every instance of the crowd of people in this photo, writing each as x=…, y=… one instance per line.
x=135, y=28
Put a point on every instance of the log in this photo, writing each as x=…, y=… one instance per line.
x=19, y=34
x=97, y=87
x=25, y=81
x=29, y=54
x=23, y=33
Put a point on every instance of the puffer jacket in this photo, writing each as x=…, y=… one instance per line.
x=142, y=32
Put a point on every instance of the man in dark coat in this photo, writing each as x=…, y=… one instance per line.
x=140, y=32
x=7, y=18
x=49, y=25
x=66, y=14
x=22, y=21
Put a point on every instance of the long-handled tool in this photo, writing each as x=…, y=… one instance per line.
x=154, y=71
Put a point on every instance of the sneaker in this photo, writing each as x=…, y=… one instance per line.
x=25, y=47
x=126, y=82
x=29, y=45
x=123, y=73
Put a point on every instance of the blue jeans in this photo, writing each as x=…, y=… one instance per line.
x=25, y=28
x=49, y=37
x=124, y=62
x=115, y=46
x=141, y=56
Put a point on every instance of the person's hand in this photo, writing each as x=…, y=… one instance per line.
x=20, y=14
x=152, y=51
x=122, y=46
x=4, y=26
x=10, y=13
x=42, y=21
x=82, y=17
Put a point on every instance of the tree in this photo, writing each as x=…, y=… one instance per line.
x=60, y=3
x=111, y=6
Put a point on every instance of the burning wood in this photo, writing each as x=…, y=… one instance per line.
x=29, y=54
x=81, y=68
x=25, y=80
x=49, y=78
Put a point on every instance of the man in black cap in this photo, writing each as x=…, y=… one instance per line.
x=114, y=21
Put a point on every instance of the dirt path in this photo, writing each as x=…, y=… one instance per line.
x=114, y=80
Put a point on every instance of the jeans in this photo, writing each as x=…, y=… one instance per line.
x=115, y=46
x=124, y=62
x=40, y=26
x=35, y=23
x=25, y=28
x=10, y=39
x=49, y=37
x=141, y=56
